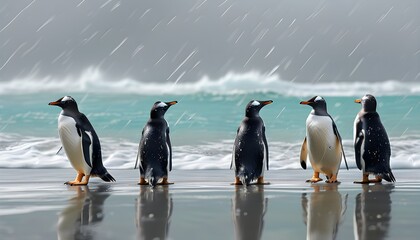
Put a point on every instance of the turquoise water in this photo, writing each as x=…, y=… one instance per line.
x=215, y=116
x=203, y=127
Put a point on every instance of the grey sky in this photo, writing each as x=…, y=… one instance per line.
x=305, y=41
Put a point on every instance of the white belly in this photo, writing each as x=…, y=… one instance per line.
x=324, y=147
x=72, y=144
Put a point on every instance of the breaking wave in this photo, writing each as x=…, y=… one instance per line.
x=40, y=152
x=92, y=80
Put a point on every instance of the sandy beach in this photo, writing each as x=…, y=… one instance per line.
x=34, y=204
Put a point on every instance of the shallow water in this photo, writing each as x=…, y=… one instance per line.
x=202, y=125
x=202, y=204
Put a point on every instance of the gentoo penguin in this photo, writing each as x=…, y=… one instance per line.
x=155, y=150
x=371, y=143
x=250, y=149
x=323, y=212
x=80, y=143
x=322, y=142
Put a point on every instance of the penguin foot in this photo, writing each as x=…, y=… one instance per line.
x=362, y=182
x=314, y=180
x=237, y=181
x=260, y=181
x=165, y=182
x=366, y=180
x=84, y=183
x=369, y=181
x=70, y=183
x=142, y=182
x=78, y=181
x=332, y=179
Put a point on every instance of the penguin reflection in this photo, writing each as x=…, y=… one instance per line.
x=248, y=208
x=373, y=212
x=153, y=212
x=323, y=212
x=85, y=209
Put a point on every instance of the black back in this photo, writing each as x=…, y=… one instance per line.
x=83, y=125
x=377, y=149
x=155, y=150
x=250, y=144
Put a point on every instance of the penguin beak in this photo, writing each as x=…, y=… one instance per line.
x=56, y=103
x=266, y=102
x=305, y=103
x=358, y=101
x=171, y=103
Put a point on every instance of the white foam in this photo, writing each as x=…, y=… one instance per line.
x=92, y=80
x=36, y=152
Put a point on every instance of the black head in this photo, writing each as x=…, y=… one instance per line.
x=318, y=103
x=159, y=108
x=368, y=103
x=66, y=103
x=253, y=108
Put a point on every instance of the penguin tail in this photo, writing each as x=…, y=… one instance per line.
x=107, y=177
x=389, y=177
x=151, y=177
x=244, y=177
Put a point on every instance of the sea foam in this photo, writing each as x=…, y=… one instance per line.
x=92, y=80
x=40, y=152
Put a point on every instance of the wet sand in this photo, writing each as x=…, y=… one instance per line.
x=35, y=204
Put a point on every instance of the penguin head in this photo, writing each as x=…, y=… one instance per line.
x=368, y=103
x=66, y=103
x=254, y=106
x=318, y=103
x=159, y=108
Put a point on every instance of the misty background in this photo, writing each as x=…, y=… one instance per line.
x=186, y=40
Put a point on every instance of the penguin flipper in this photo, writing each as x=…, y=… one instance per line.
x=232, y=163
x=303, y=154
x=138, y=157
x=337, y=134
x=360, y=137
x=265, y=147
x=87, y=147
x=168, y=144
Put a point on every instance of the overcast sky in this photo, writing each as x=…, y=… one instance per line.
x=184, y=40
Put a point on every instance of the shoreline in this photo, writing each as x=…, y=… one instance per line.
x=202, y=204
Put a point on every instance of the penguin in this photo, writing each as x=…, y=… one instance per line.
x=80, y=143
x=322, y=143
x=155, y=150
x=250, y=149
x=371, y=143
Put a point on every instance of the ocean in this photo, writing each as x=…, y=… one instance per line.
x=204, y=122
